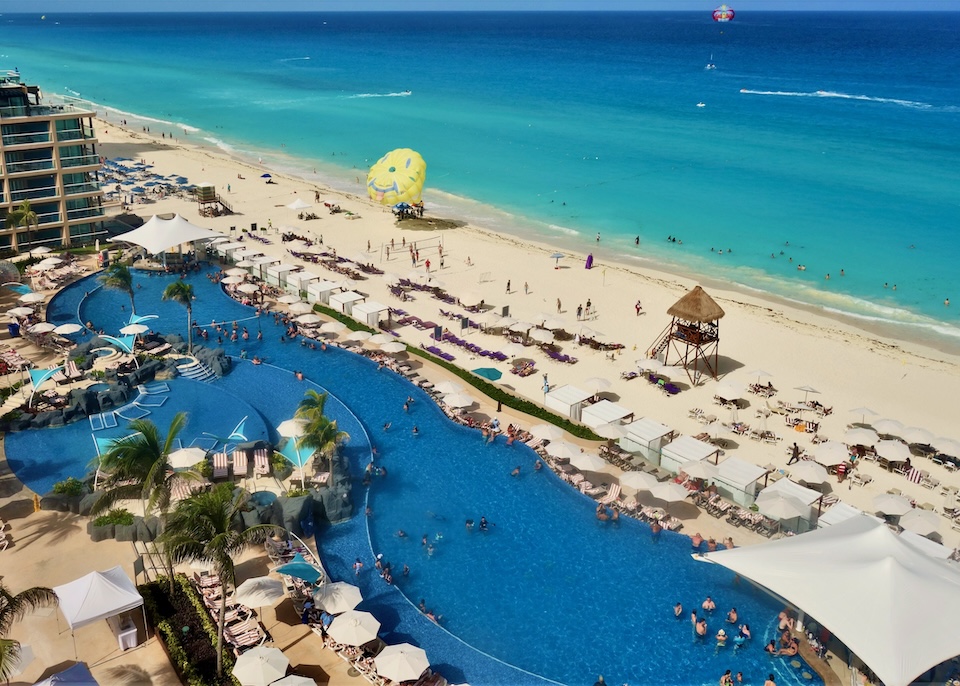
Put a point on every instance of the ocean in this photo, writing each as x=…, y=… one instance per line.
x=824, y=140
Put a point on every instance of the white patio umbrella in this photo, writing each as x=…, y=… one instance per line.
x=379, y=339
x=248, y=288
x=236, y=271
x=292, y=428
x=554, y=323
x=864, y=412
x=549, y=432
x=401, y=662
x=542, y=335
x=563, y=449
x=597, y=384
x=333, y=327
x=729, y=391
x=504, y=322
x=51, y=262
x=458, y=400
x=860, y=437
x=895, y=451
x=809, y=471
x=231, y=280
x=830, y=453
x=337, y=597
x=42, y=327
x=640, y=481
x=184, y=458
x=393, y=347
x=20, y=311
x=134, y=329
x=781, y=506
x=245, y=263
x=259, y=591
x=652, y=365
x=588, y=462
x=354, y=628
x=295, y=680
x=700, y=469
x=67, y=329
x=914, y=434
x=891, y=504
x=670, y=492
x=445, y=387
x=470, y=298
x=299, y=204
x=520, y=326
x=611, y=431
x=288, y=299
x=309, y=319
x=512, y=349
x=300, y=307
x=807, y=390
x=260, y=666
x=41, y=250
x=947, y=446
x=923, y=522
x=358, y=335
x=887, y=426
x=759, y=373
x=31, y=298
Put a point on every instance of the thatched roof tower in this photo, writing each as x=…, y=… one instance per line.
x=696, y=306
x=692, y=338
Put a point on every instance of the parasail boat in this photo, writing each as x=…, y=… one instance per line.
x=710, y=64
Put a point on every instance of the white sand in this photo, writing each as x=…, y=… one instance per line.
x=901, y=380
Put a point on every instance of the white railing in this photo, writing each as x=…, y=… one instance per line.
x=29, y=166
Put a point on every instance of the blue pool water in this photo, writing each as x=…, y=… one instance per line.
x=548, y=589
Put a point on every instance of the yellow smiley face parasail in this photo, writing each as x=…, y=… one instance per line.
x=397, y=177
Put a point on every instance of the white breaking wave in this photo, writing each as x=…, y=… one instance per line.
x=293, y=59
x=912, y=104
x=564, y=229
x=226, y=147
x=401, y=94
x=131, y=115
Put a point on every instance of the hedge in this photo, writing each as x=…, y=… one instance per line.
x=495, y=393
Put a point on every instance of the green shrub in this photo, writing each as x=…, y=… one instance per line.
x=297, y=492
x=278, y=461
x=69, y=486
x=118, y=516
x=204, y=468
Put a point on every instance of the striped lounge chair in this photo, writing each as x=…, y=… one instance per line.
x=221, y=468
x=261, y=462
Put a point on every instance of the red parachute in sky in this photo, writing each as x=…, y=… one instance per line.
x=723, y=13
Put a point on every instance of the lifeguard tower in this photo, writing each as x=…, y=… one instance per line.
x=692, y=338
x=209, y=202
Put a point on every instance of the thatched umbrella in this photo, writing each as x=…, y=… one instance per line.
x=696, y=306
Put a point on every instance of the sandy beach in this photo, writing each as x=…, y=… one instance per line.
x=849, y=367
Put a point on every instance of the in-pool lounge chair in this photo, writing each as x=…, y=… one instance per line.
x=240, y=463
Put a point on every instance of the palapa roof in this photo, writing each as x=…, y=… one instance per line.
x=696, y=306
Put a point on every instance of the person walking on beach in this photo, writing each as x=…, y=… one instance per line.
x=579, y=312
x=508, y=286
x=558, y=305
x=526, y=288
x=794, y=455
x=638, y=307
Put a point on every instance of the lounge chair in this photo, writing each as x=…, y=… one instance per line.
x=261, y=462
x=240, y=463
x=221, y=468
x=611, y=495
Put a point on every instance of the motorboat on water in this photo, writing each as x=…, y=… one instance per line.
x=701, y=104
x=710, y=64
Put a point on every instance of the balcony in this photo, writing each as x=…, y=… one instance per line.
x=29, y=166
x=11, y=139
x=80, y=188
x=84, y=213
x=33, y=193
x=41, y=111
x=80, y=161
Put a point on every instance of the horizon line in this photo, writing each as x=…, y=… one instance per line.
x=882, y=10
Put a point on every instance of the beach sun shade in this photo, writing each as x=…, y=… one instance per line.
x=895, y=451
x=300, y=308
x=67, y=329
x=401, y=662
x=670, y=492
x=781, y=506
x=296, y=454
x=41, y=250
x=548, y=432
x=445, y=387
x=393, y=347
x=809, y=471
x=31, y=298
x=292, y=428
x=923, y=522
x=295, y=680
x=185, y=458
x=831, y=453
x=298, y=204
x=42, y=327
x=266, y=176
x=887, y=426
x=863, y=437
x=488, y=373
x=259, y=591
x=563, y=449
x=891, y=504
x=260, y=666
x=588, y=462
x=354, y=628
x=301, y=569
x=77, y=675
x=248, y=288
x=134, y=329
x=289, y=299
x=458, y=400
x=20, y=311
x=159, y=235
x=337, y=597
x=640, y=481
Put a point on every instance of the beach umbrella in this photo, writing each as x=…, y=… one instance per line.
x=134, y=329
x=860, y=436
x=259, y=591
x=51, y=261
x=488, y=373
x=358, y=335
x=248, y=288
x=588, y=462
x=915, y=434
x=891, y=504
x=830, y=453
x=611, y=431
x=445, y=387
x=31, y=298
x=759, y=373
x=504, y=323
x=295, y=680
x=512, y=349
x=236, y=271
x=700, y=469
x=299, y=204
x=597, y=384
x=557, y=256
x=260, y=666
x=809, y=472
x=346, y=284
x=780, y=506
x=729, y=391
x=591, y=333
x=266, y=176
x=895, y=451
x=42, y=327
x=333, y=327
x=308, y=319
x=640, y=481
x=41, y=250
x=458, y=400
x=184, y=458
x=393, y=347
x=887, y=426
x=669, y=491
x=245, y=263
x=292, y=428
x=391, y=279
x=67, y=329
x=20, y=311
x=354, y=628
x=563, y=449
x=923, y=522
x=301, y=569
x=717, y=430
x=864, y=412
x=300, y=307
x=337, y=597
x=379, y=339
x=288, y=299
x=470, y=298
x=807, y=390
x=947, y=446
x=41, y=267
x=547, y=432
x=554, y=323
x=231, y=280
x=652, y=365
x=401, y=662
x=520, y=326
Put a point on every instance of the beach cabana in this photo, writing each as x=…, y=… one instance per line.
x=320, y=291
x=299, y=281
x=838, y=512
x=567, y=400
x=737, y=480
x=686, y=449
x=810, y=498
x=98, y=596
x=604, y=412
x=369, y=313
x=224, y=249
x=247, y=254
x=277, y=274
x=646, y=437
x=345, y=301
x=890, y=604
x=263, y=261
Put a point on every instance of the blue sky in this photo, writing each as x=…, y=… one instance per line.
x=55, y=6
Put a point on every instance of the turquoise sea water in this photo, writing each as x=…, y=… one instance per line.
x=828, y=136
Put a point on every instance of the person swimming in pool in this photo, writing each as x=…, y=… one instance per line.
x=483, y=524
x=677, y=610
x=469, y=525
x=415, y=431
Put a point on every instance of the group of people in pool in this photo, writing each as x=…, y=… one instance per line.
x=700, y=629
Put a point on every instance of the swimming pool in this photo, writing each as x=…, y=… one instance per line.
x=549, y=589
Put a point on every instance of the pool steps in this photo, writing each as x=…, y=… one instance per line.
x=197, y=371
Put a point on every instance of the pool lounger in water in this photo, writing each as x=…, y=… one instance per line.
x=146, y=400
x=132, y=412
x=105, y=420
x=158, y=387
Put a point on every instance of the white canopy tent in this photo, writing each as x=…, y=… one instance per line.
x=278, y=274
x=345, y=301
x=320, y=291
x=225, y=248
x=567, y=400
x=890, y=604
x=98, y=596
x=604, y=412
x=300, y=280
x=686, y=449
x=647, y=437
x=737, y=480
x=248, y=254
x=369, y=313
x=159, y=235
x=838, y=512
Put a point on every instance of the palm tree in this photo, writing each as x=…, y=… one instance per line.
x=12, y=609
x=182, y=292
x=320, y=432
x=23, y=216
x=118, y=277
x=202, y=528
